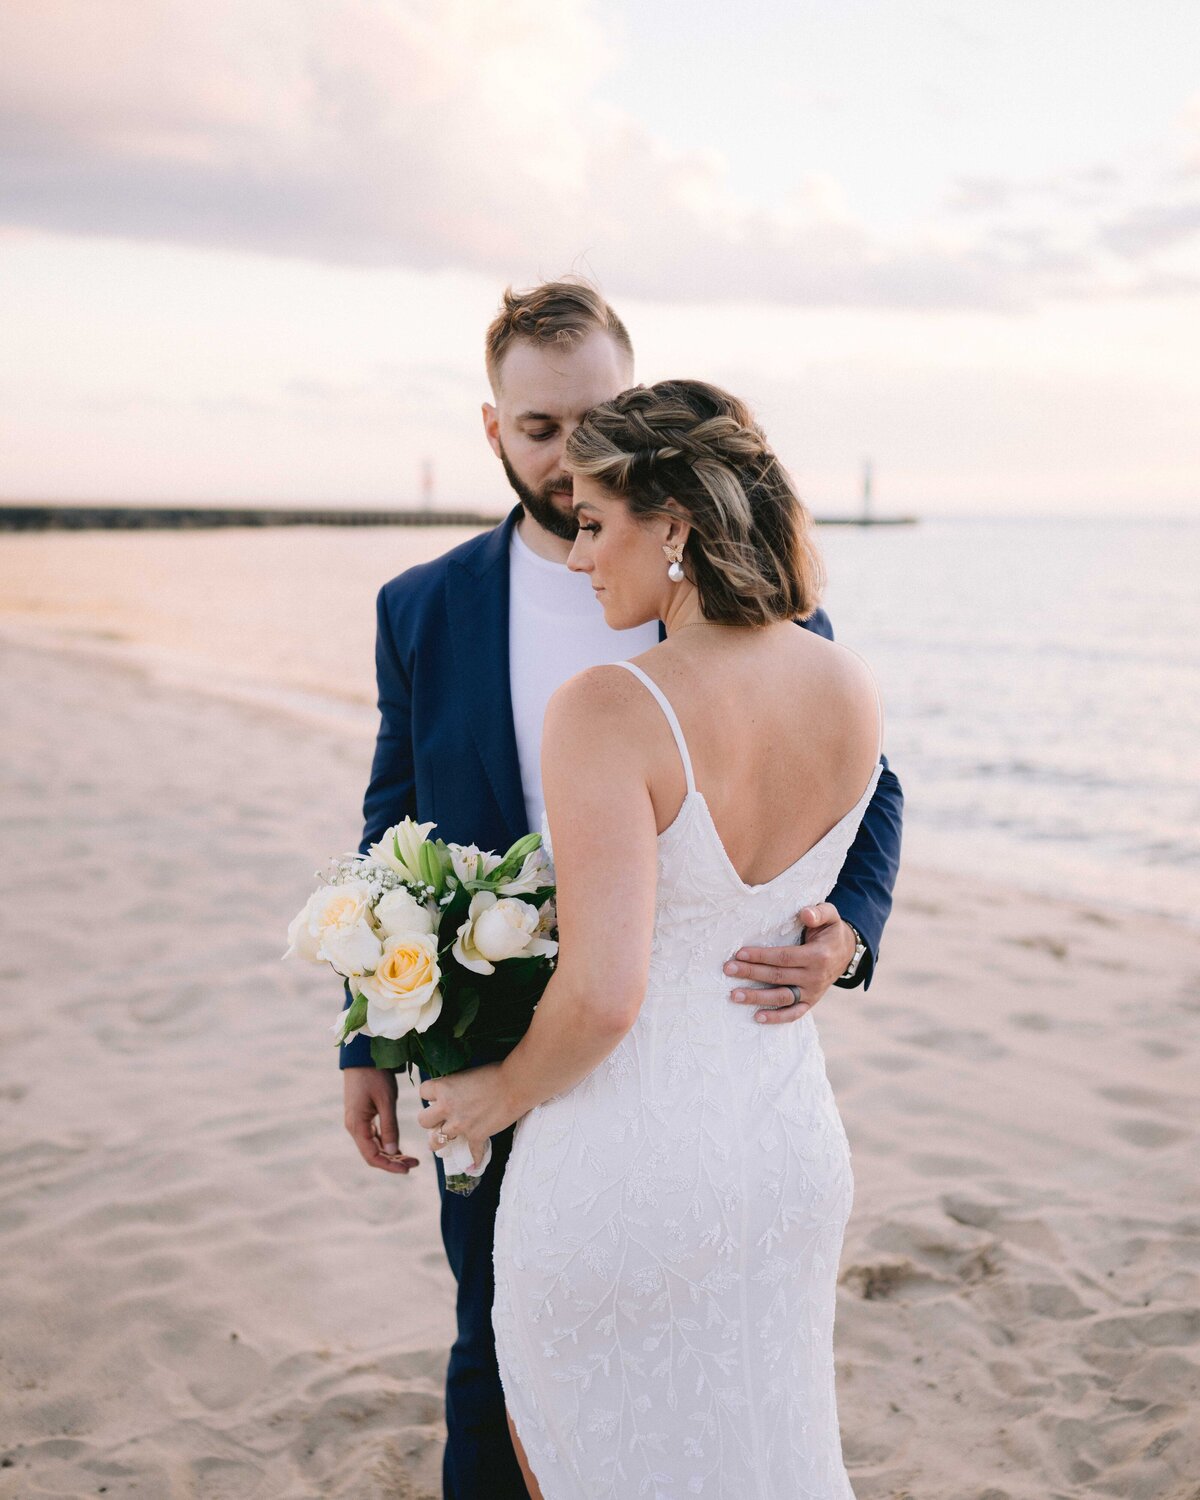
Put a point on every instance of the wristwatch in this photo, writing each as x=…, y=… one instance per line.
x=859, y=949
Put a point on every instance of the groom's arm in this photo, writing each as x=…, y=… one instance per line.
x=391, y=790
x=863, y=893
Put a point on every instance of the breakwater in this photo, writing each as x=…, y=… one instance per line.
x=42, y=517
x=38, y=517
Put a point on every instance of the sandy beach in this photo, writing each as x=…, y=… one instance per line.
x=206, y=1294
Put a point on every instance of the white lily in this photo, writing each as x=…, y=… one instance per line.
x=399, y=846
x=535, y=874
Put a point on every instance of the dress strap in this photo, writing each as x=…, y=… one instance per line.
x=878, y=702
x=664, y=704
x=878, y=718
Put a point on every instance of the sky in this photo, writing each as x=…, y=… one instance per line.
x=248, y=252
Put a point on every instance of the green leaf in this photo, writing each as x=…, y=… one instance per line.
x=469, y=1009
x=386, y=1053
x=441, y=1054
x=515, y=858
x=357, y=1015
x=453, y=917
x=431, y=868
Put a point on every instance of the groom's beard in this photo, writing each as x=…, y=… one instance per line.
x=539, y=504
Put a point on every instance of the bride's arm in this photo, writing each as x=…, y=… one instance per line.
x=605, y=860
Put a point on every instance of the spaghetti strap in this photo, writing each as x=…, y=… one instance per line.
x=878, y=716
x=664, y=704
x=878, y=701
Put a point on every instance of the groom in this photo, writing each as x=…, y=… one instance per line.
x=469, y=649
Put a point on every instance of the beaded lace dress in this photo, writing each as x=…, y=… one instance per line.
x=669, y=1230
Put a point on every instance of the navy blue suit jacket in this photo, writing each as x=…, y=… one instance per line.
x=447, y=751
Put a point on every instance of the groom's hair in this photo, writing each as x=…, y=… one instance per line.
x=557, y=312
x=685, y=446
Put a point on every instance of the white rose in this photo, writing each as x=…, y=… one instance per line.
x=399, y=911
x=335, y=925
x=496, y=930
x=403, y=994
x=398, y=847
x=535, y=874
x=471, y=863
x=355, y=951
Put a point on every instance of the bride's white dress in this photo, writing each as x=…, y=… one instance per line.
x=668, y=1234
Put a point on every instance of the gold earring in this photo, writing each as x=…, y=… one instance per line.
x=674, y=555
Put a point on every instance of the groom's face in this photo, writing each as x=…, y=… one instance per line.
x=542, y=394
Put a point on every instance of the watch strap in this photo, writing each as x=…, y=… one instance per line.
x=859, y=949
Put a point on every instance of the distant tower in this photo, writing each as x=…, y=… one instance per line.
x=868, y=478
x=427, y=484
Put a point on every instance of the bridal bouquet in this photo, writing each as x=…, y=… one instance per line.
x=446, y=948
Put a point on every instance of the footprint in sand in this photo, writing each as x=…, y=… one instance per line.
x=1164, y=1050
x=1149, y=1134
x=933, y=1164
x=1051, y=1299
x=1137, y=1098
x=1160, y=1330
x=891, y=1062
x=1041, y=943
x=975, y=1046
x=876, y=1280
x=923, y=978
x=226, y=1479
x=1031, y=1020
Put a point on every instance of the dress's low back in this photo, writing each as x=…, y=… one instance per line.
x=669, y=1230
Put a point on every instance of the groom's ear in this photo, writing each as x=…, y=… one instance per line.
x=491, y=427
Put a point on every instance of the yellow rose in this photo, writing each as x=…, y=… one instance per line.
x=403, y=994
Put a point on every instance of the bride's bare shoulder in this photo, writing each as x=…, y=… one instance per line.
x=838, y=676
x=595, y=707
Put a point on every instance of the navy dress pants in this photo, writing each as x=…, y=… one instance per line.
x=480, y=1463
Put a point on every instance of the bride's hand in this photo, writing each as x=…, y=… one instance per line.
x=470, y=1106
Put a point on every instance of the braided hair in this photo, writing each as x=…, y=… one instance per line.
x=752, y=550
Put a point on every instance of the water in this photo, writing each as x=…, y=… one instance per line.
x=1041, y=678
x=1042, y=683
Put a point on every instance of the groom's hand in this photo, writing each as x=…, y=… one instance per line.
x=810, y=967
x=370, y=1098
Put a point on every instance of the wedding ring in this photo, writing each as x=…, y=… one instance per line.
x=795, y=989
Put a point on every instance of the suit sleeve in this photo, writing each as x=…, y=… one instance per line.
x=391, y=790
x=863, y=893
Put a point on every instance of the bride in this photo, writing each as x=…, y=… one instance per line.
x=672, y=1214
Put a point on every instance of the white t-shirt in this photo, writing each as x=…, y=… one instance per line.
x=555, y=629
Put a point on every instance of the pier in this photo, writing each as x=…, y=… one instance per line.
x=42, y=517
x=33, y=517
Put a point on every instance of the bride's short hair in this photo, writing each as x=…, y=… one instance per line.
x=752, y=549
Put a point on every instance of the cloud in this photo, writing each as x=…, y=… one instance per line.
x=466, y=135
x=971, y=195
x=1152, y=227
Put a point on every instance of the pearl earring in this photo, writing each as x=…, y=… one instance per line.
x=674, y=555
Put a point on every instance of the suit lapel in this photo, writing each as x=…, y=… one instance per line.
x=477, y=612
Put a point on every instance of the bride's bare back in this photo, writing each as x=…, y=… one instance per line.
x=784, y=732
